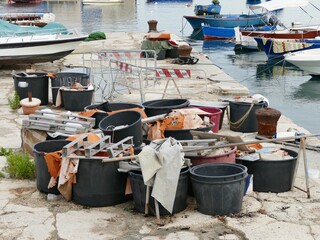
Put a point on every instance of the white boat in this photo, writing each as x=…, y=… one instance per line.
x=306, y=60
x=31, y=44
x=97, y=2
x=28, y=18
x=37, y=48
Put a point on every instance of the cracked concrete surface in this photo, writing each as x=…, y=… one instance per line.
x=26, y=213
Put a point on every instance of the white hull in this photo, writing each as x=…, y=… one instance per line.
x=37, y=48
x=28, y=18
x=244, y=42
x=306, y=60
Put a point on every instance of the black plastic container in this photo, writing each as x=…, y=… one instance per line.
x=161, y=106
x=273, y=175
x=184, y=134
x=42, y=173
x=99, y=184
x=132, y=122
x=108, y=107
x=139, y=193
x=67, y=79
x=172, y=53
x=218, y=187
x=38, y=84
x=76, y=100
x=242, y=116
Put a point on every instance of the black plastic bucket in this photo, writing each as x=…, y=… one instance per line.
x=108, y=107
x=242, y=116
x=67, y=79
x=42, y=173
x=139, y=193
x=273, y=175
x=218, y=187
x=38, y=84
x=161, y=106
x=99, y=184
x=184, y=134
x=76, y=100
x=131, y=120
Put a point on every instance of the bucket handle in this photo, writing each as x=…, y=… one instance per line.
x=239, y=123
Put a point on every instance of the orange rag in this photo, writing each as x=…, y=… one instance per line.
x=89, y=113
x=171, y=123
x=91, y=137
x=53, y=161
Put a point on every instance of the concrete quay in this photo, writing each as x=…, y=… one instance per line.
x=25, y=213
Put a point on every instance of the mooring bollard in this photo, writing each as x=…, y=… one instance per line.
x=152, y=25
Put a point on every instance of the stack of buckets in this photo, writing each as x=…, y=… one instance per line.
x=219, y=187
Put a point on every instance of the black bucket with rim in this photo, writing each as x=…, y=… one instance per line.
x=99, y=184
x=161, y=106
x=130, y=125
x=274, y=176
x=76, y=100
x=42, y=173
x=139, y=193
x=242, y=116
x=185, y=134
x=109, y=107
x=38, y=84
x=218, y=187
x=67, y=79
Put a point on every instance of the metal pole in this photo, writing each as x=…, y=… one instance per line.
x=146, y=208
x=305, y=166
x=156, y=205
x=250, y=142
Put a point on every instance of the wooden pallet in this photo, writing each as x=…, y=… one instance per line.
x=59, y=122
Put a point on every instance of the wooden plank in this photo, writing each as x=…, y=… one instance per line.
x=276, y=140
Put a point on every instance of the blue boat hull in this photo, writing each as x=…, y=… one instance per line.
x=227, y=21
x=217, y=33
x=276, y=48
x=222, y=33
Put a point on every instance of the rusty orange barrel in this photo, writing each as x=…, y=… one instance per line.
x=267, y=121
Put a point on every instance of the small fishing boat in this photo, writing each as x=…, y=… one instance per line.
x=227, y=21
x=39, y=19
x=245, y=38
x=306, y=60
x=290, y=33
x=30, y=44
x=37, y=48
x=276, y=48
x=223, y=33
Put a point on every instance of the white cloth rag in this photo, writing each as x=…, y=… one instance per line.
x=161, y=165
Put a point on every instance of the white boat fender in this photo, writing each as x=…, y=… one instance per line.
x=47, y=112
x=261, y=98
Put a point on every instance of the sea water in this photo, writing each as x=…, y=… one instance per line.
x=289, y=90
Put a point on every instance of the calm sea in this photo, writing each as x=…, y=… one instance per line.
x=288, y=89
